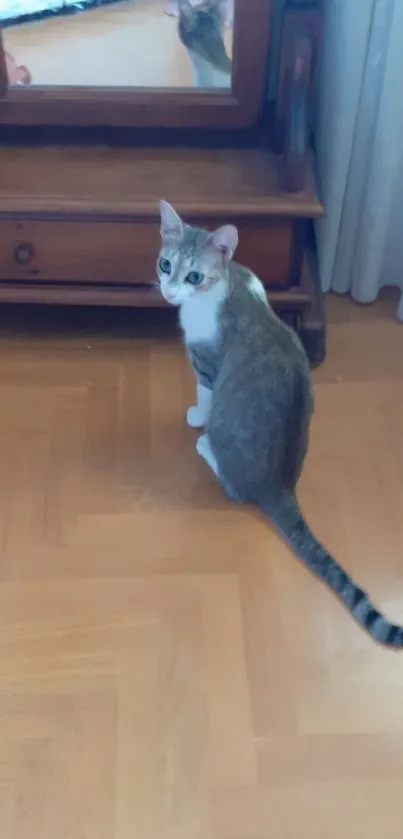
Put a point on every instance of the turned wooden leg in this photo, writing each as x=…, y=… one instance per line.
x=300, y=38
x=312, y=321
x=3, y=69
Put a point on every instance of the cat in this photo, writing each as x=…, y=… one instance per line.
x=227, y=9
x=254, y=393
x=200, y=30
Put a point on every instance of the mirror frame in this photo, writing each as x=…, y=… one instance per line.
x=239, y=107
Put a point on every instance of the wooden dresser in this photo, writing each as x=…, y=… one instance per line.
x=81, y=225
x=83, y=170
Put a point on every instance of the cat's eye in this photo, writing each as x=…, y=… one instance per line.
x=164, y=265
x=194, y=278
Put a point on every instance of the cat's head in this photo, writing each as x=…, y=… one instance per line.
x=192, y=261
x=201, y=5
x=193, y=13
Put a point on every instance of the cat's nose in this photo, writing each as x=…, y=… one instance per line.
x=169, y=296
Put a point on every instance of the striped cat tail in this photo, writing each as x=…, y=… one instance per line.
x=286, y=515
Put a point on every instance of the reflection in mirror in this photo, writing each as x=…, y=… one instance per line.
x=122, y=43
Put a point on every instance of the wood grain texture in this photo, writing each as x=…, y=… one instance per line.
x=110, y=182
x=121, y=253
x=167, y=669
x=3, y=68
x=137, y=296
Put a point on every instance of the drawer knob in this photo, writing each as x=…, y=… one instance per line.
x=23, y=253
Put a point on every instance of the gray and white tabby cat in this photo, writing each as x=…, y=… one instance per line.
x=254, y=393
x=200, y=30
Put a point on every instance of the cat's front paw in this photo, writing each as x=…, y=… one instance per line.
x=195, y=417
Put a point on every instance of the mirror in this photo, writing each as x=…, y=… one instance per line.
x=118, y=43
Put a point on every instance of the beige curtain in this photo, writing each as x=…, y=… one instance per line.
x=359, y=139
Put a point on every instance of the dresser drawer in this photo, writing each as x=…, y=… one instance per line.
x=266, y=247
x=82, y=252
x=117, y=252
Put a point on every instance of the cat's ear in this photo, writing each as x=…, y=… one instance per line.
x=171, y=223
x=224, y=241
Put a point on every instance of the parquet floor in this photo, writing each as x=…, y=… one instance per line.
x=167, y=669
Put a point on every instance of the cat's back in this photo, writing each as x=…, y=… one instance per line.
x=257, y=332
x=200, y=31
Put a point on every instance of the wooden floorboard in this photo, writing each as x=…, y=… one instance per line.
x=168, y=670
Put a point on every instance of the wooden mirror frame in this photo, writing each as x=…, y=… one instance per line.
x=239, y=107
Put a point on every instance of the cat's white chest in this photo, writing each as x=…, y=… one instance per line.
x=199, y=316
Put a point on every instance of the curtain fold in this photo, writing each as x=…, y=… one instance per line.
x=359, y=141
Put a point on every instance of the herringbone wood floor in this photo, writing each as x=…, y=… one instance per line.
x=167, y=669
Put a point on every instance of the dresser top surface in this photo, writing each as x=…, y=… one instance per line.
x=99, y=180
